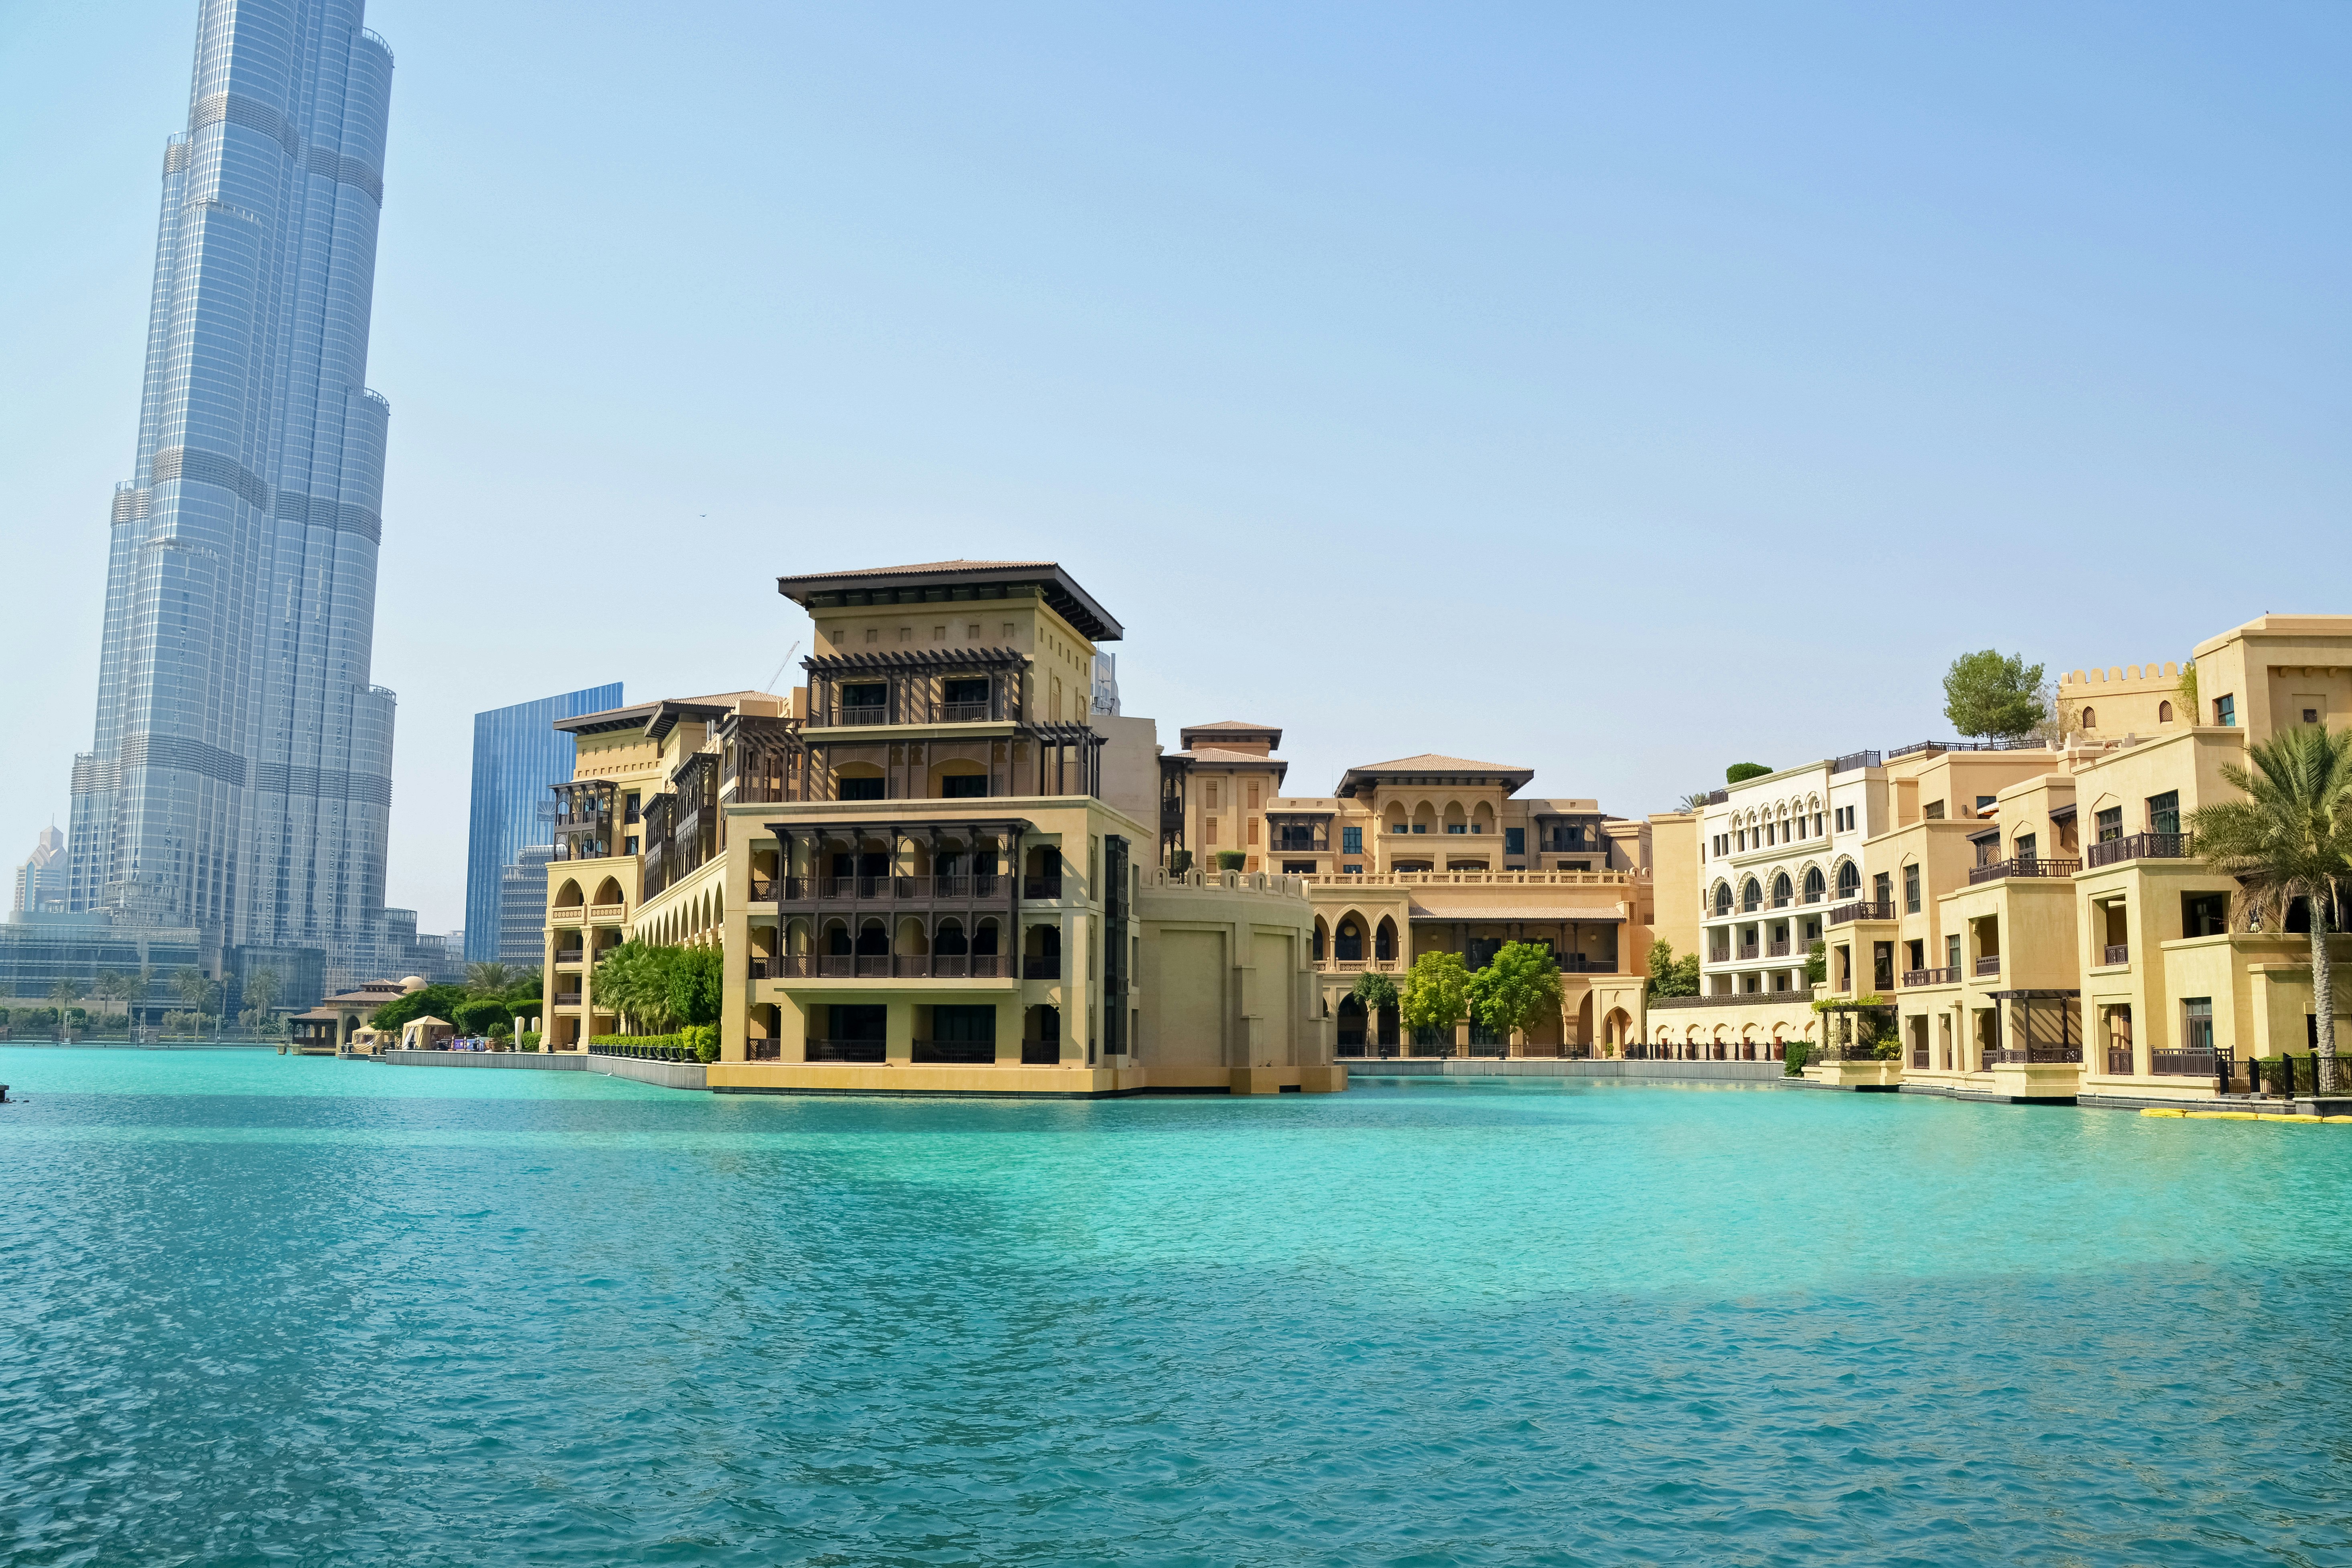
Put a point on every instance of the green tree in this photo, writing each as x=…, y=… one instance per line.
x=1739, y=772
x=1695, y=802
x=261, y=991
x=1817, y=963
x=434, y=1002
x=1671, y=976
x=634, y=980
x=491, y=979
x=64, y=994
x=1518, y=985
x=194, y=988
x=1435, y=994
x=697, y=984
x=2290, y=838
x=1374, y=991
x=1993, y=694
x=114, y=993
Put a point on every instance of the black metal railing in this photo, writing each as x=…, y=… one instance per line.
x=2020, y=744
x=2022, y=866
x=2115, y=953
x=1988, y=965
x=1047, y=968
x=567, y=998
x=1930, y=977
x=1862, y=910
x=867, y=1051
x=954, y=1053
x=1041, y=886
x=1853, y=760
x=2141, y=846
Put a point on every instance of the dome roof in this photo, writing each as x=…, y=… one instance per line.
x=413, y=983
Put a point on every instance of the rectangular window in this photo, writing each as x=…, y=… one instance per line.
x=1351, y=841
x=1252, y=795
x=2164, y=812
x=2197, y=1024
x=2027, y=848
x=1933, y=811
x=1210, y=795
x=1911, y=888
x=1882, y=888
x=861, y=789
x=1253, y=830
x=628, y=846
x=1984, y=803
x=2225, y=712
x=1952, y=953
x=1353, y=871
x=1742, y=837
x=1515, y=841
x=2204, y=914
x=1208, y=830
x=965, y=787
x=2110, y=824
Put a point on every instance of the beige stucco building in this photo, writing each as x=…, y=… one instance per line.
x=930, y=869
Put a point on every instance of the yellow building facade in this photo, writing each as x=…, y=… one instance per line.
x=930, y=869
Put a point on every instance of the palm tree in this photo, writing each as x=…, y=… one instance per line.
x=2290, y=838
x=260, y=995
x=489, y=979
x=64, y=994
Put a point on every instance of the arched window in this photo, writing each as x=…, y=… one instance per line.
x=2164, y=712
x=1750, y=895
x=2090, y=718
x=1814, y=887
x=1723, y=897
x=1351, y=945
x=1849, y=879
x=1780, y=890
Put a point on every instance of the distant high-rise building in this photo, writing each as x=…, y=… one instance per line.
x=41, y=879
x=240, y=777
x=1105, y=684
x=522, y=907
x=518, y=757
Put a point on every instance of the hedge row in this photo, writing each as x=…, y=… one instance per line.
x=695, y=1043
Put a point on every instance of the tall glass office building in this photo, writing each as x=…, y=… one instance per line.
x=240, y=778
x=518, y=755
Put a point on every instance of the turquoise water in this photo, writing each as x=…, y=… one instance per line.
x=256, y=1308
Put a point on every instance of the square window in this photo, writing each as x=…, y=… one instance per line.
x=873, y=634
x=938, y=634
x=973, y=631
x=1011, y=632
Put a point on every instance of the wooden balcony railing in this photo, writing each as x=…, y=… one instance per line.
x=2185, y=1064
x=882, y=966
x=985, y=885
x=1862, y=910
x=2141, y=846
x=1930, y=977
x=567, y=998
x=2022, y=866
x=2025, y=1056
x=1988, y=965
x=2115, y=953
x=2119, y=1059
x=1778, y=949
x=1041, y=886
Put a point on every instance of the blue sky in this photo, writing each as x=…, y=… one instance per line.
x=1617, y=392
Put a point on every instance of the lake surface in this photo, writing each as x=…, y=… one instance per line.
x=263, y=1308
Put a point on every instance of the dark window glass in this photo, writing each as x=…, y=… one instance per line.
x=2111, y=824
x=1352, y=840
x=972, y=689
x=964, y=1022
x=2197, y=1024
x=865, y=1022
x=1911, y=890
x=1515, y=841
x=2164, y=812
x=962, y=786
x=862, y=789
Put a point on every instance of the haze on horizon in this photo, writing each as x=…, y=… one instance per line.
x=1620, y=395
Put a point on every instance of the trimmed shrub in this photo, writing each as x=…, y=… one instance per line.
x=1794, y=1066
x=1231, y=859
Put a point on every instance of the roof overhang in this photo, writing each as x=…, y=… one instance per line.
x=936, y=582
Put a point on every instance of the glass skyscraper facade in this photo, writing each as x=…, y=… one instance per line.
x=519, y=755
x=239, y=780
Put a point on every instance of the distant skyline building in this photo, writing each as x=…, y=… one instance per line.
x=239, y=779
x=518, y=757
x=522, y=907
x=41, y=879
